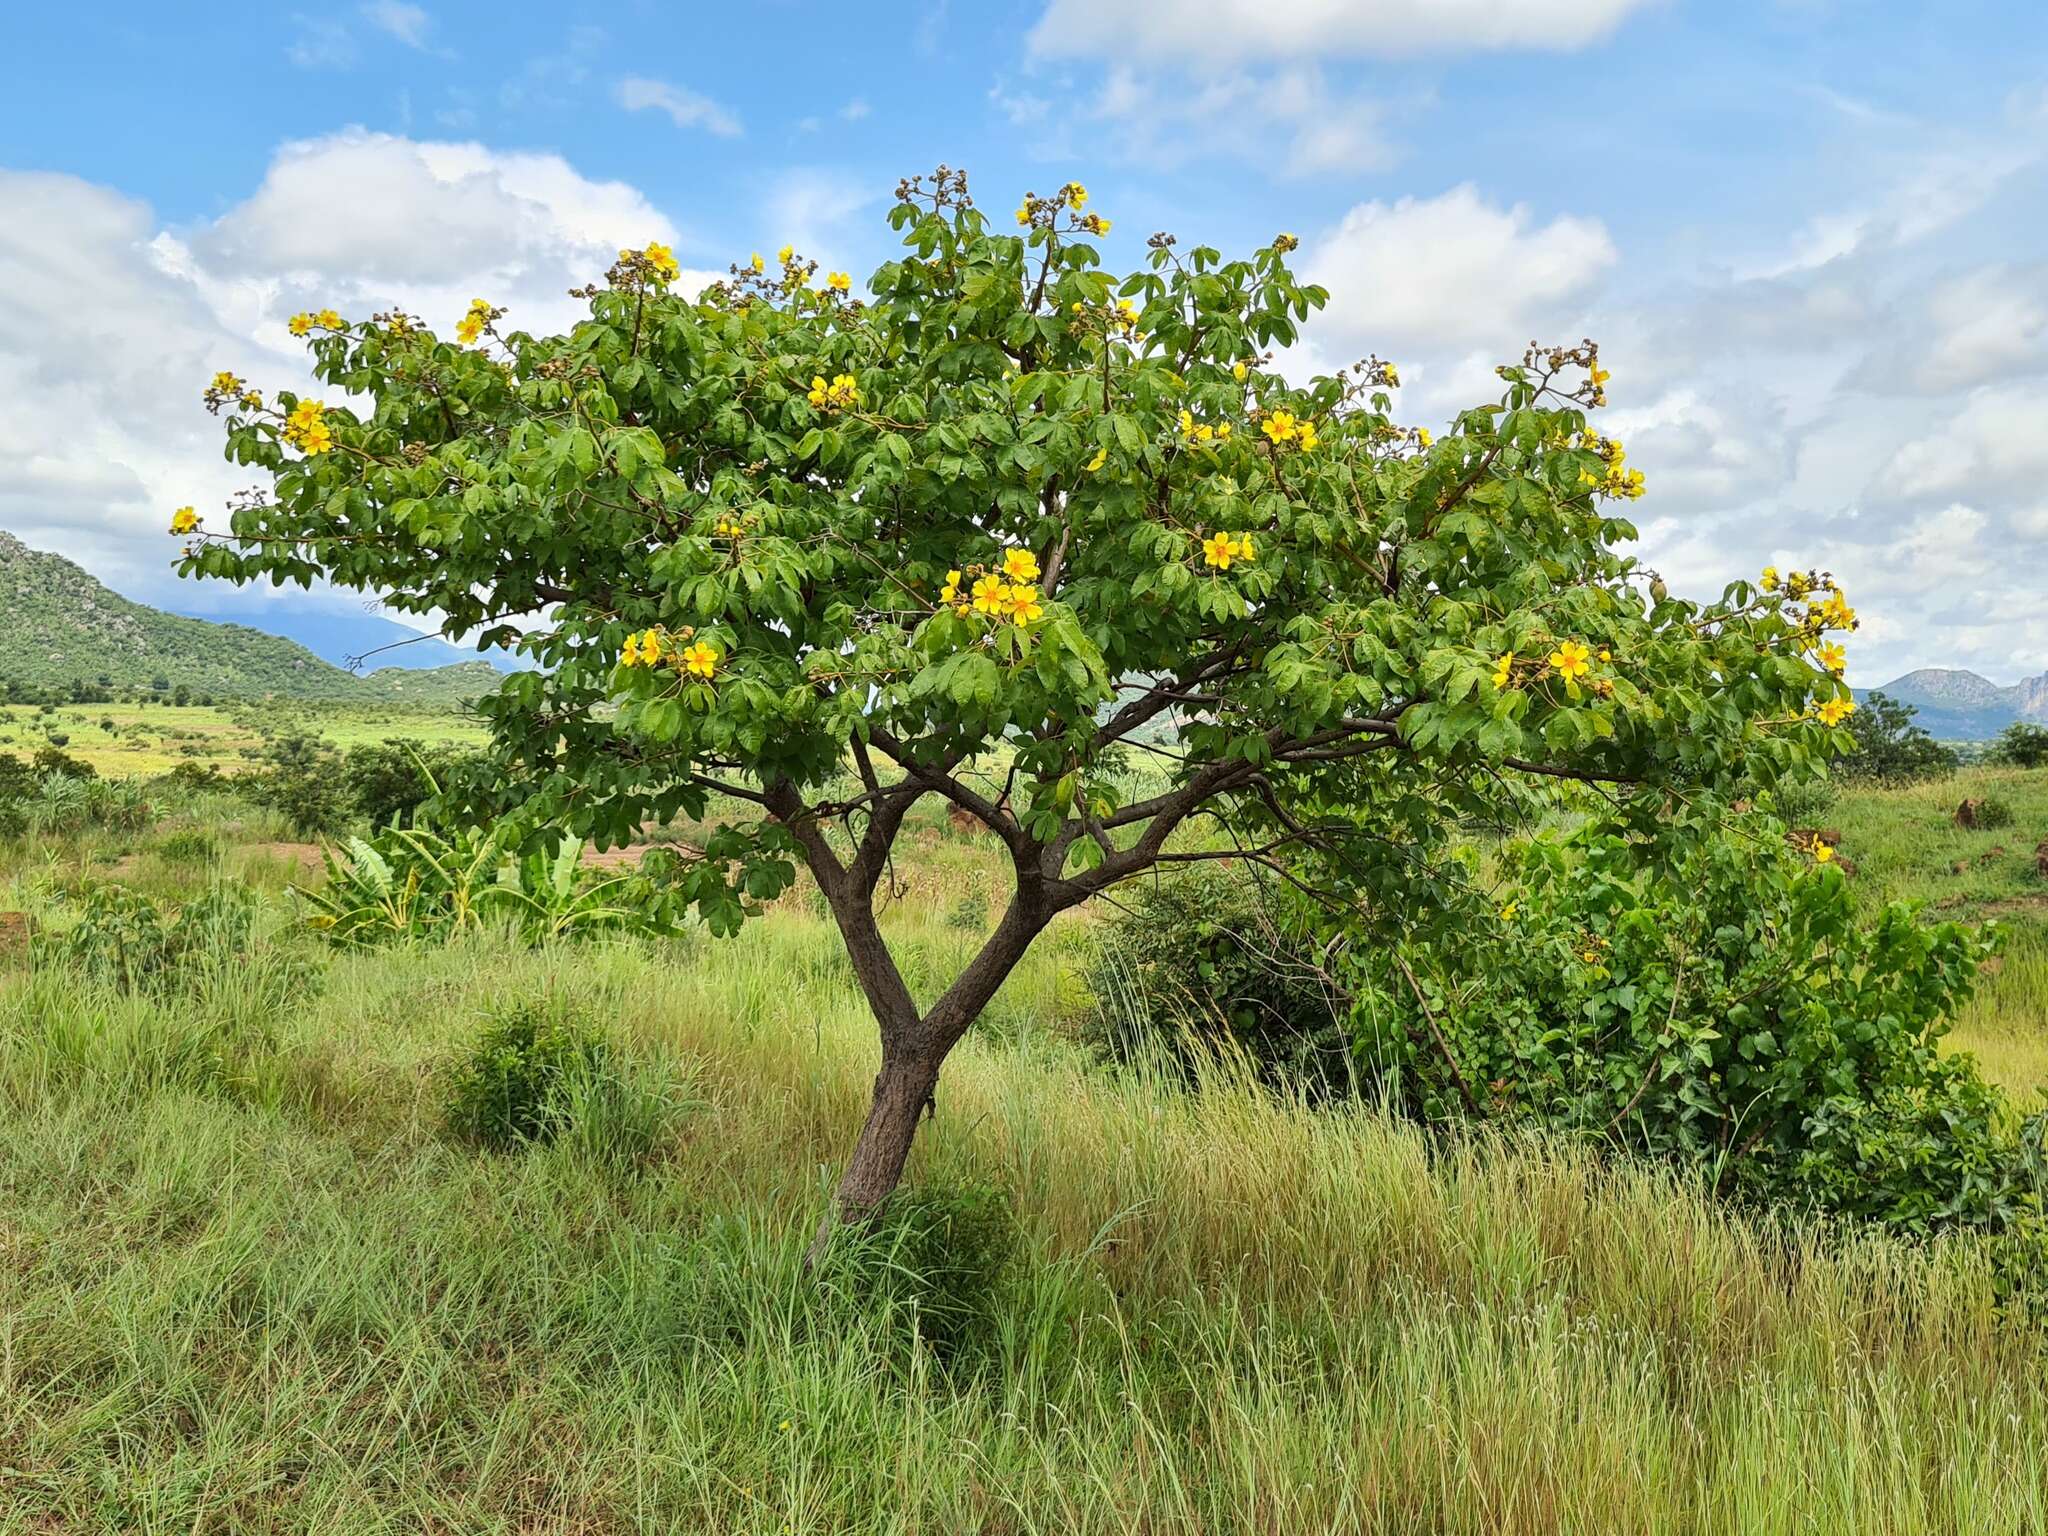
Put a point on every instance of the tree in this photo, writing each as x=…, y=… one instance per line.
x=2022, y=745
x=1890, y=748
x=817, y=557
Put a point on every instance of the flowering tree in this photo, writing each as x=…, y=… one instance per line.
x=979, y=535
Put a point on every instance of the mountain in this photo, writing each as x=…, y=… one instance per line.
x=344, y=637
x=57, y=623
x=1961, y=706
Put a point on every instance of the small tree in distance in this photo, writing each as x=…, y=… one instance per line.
x=972, y=534
x=1890, y=748
x=2021, y=745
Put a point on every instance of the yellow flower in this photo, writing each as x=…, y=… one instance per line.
x=1024, y=213
x=184, y=520
x=329, y=319
x=839, y=282
x=1836, y=613
x=663, y=261
x=1503, y=669
x=315, y=440
x=1571, y=660
x=299, y=324
x=1077, y=196
x=1020, y=565
x=1238, y=371
x=1280, y=426
x=1822, y=853
x=1835, y=711
x=1024, y=604
x=1305, y=439
x=1096, y=224
x=468, y=328
x=225, y=383
x=1507, y=913
x=1770, y=578
x=1600, y=376
x=1833, y=657
x=1243, y=548
x=642, y=649
x=991, y=594
x=1223, y=430
x=1606, y=654
x=251, y=401
x=1219, y=549
x=1422, y=436
x=1126, y=314
x=785, y=253
x=1187, y=423
x=699, y=659
x=1393, y=375
x=820, y=391
x=950, y=593
x=1101, y=458
x=1206, y=433
x=755, y=261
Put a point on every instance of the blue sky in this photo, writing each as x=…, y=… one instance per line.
x=1808, y=233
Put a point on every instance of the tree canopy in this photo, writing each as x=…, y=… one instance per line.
x=979, y=530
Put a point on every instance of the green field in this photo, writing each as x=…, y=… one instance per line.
x=247, y=1283
x=149, y=740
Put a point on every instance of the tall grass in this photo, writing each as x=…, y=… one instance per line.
x=281, y=1299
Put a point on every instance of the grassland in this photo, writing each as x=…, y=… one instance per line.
x=247, y=1283
x=148, y=740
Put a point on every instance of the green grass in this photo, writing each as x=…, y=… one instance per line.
x=247, y=1283
x=150, y=740
x=1906, y=845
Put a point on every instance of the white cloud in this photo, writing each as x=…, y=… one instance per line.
x=112, y=323
x=1212, y=31
x=686, y=108
x=407, y=23
x=1992, y=445
x=1981, y=326
x=1288, y=120
x=321, y=43
x=1452, y=270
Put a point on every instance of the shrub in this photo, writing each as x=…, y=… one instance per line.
x=1197, y=966
x=1890, y=749
x=538, y=1073
x=1991, y=813
x=300, y=778
x=2021, y=745
x=420, y=883
x=1729, y=1012
x=189, y=845
x=388, y=782
x=938, y=1263
x=125, y=940
x=64, y=807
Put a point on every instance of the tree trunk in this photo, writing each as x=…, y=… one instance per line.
x=913, y=1049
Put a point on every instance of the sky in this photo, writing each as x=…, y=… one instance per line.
x=1810, y=236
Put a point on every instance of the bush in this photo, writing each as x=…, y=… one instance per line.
x=64, y=807
x=1200, y=966
x=1890, y=749
x=1730, y=1012
x=1990, y=813
x=939, y=1263
x=387, y=783
x=537, y=1073
x=189, y=845
x=125, y=940
x=300, y=778
x=2021, y=745
x=420, y=883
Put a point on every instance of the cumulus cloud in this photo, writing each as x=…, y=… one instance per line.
x=1451, y=270
x=685, y=108
x=1975, y=328
x=1215, y=30
x=1288, y=119
x=113, y=323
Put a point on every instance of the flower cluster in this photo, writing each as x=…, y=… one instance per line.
x=1122, y=316
x=1008, y=591
x=306, y=428
x=1220, y=549
x=654, y=262
x=1826, y=607
x=728, y=526
x=471, y=325
x=229, y=388
x=1043, y=210
x=1614, y=479
x=841, y=394
x=1283, y=427
x=1832, y=712
x=1201, y=432
x=305, y=321
x=651, y=648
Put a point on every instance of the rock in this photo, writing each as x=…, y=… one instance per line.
x=1966, y=813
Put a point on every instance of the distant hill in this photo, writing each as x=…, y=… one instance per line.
x=1961, y=706
x=57, y=622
